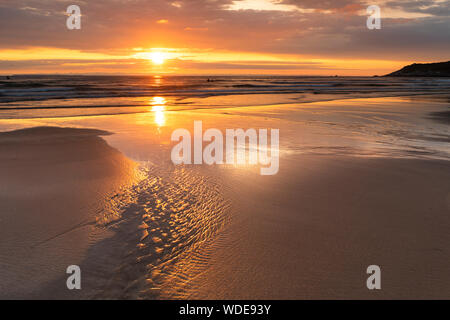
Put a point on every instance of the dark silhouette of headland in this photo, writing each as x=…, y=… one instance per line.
x=438, y=69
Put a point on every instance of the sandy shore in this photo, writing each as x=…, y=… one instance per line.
x=311, y=231
x=53, y=186
x=361, y=182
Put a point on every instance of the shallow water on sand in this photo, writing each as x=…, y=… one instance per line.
x=383, y=127
x=176, y=215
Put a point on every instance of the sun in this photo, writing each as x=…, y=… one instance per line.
x=157, y=57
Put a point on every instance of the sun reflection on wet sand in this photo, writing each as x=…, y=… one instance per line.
x=158, y=109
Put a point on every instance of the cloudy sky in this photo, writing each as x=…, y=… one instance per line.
x=305, y=37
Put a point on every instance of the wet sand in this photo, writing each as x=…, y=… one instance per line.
x=311, y=231
x=361, y=182
x=53, y=186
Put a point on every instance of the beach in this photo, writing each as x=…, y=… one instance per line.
x=311, y=232
x=55, y=183
x=362, y=181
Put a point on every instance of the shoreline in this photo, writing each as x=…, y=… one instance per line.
x=180, y=108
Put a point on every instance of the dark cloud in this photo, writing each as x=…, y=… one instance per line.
x=115, y=26
x=325, y=4
x=422, y=6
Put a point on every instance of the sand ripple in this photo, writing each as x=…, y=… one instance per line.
x=165, y=233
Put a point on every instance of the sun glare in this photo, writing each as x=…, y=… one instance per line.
x=157, y=57
x=158, y=110
x=158, y=101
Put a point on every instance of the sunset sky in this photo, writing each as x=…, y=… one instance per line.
x=301, y=37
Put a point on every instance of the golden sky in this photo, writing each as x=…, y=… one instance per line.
x=297, y=37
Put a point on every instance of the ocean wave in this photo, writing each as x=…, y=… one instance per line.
x=41, y=88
